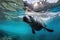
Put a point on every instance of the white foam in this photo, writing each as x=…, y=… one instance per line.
x=52, y=1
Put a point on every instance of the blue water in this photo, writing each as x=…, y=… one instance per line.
x=24, y=31
x=56, y=9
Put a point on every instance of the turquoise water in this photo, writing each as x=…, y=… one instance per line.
x=24, y=31
x=56, y=9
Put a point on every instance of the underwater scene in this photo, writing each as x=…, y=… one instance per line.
x=23, y=20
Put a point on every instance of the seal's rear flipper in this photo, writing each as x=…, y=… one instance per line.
x=49, y=30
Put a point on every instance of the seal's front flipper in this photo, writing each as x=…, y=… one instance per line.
x=33, y=31
x=49, y=30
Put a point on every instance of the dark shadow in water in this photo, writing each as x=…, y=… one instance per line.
x=16, y=38
x=4, y=34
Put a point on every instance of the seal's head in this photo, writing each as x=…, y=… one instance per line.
x=25, y=19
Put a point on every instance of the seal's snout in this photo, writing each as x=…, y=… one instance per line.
x=25, y=19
